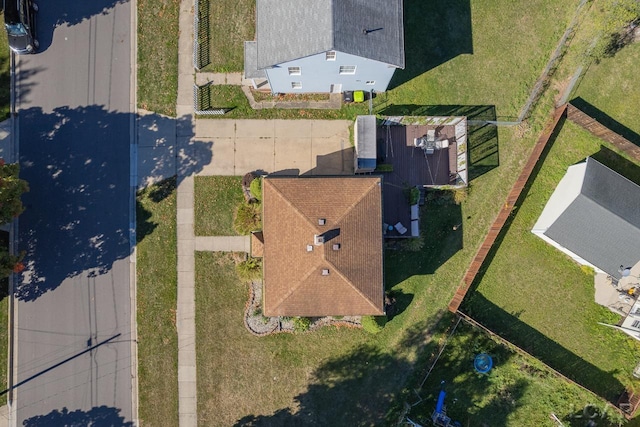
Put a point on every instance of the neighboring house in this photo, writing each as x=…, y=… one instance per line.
x=594, y=217
x=322, y=46
x=322, y=246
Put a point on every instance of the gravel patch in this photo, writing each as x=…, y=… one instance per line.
x=260, y=325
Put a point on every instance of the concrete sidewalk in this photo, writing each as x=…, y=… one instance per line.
x=186, y=310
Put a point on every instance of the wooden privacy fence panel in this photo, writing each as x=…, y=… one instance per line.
x=505, y=211
x=601, y=131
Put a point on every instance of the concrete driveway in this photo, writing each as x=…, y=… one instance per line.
x=304, y=147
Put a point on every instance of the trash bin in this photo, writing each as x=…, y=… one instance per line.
x=347, y=96
x=358, y=96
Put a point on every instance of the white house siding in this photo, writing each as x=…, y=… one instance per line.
x=564, y=194
x=318, y=75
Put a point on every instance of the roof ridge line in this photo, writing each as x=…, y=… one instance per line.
x=356, y=202
x=292, y=290
x=353, y=286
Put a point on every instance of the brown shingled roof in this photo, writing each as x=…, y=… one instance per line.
x=294, y=284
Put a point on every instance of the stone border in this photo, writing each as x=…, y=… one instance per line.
x=334, y=103
x=261, y=326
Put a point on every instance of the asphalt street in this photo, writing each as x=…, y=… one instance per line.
x=74, y=362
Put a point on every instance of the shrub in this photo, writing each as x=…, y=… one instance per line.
x=256, y=188
x=301, y=324
x=413, y=195
x=249, y=270
x=12, y=189
x=459, y=195
x=589, y=271
x=373, y=324
x=384, y=167
x=414, y=244
x=247, y=218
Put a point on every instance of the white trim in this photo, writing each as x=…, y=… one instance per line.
x=331, y=55
x=294, y=71
x=296, y=85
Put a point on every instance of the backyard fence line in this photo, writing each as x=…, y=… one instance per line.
x=505, y=212
x=438, y=357
x=551, y=65
x=523, y=352
x=201, y=56
x=582, y=119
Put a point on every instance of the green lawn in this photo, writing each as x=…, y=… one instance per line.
x=231, y=23
x=461, y=57
x=157, y=296
x=518, y=391
x=609, y=90
x=216, y=200
x=334, y=376
x=5, y=77
x=232, y=97
x=158, y=55
x=539, y=299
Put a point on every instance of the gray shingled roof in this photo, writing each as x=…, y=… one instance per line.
x=292, y=29
x=602, y=225
x=250, y=65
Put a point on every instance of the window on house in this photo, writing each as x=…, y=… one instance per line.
x=331, y=55
x=635, y=324
x=371, y=82
x=296, y=85
x=347, y=69
x=295, y=71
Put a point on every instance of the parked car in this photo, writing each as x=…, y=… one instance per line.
x=20, y=22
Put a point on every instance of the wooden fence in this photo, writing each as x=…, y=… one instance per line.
x=596, y=128
x=505, y=211
x=601, y=131
x=523, y=352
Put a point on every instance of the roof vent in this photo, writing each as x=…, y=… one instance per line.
x=336, y=246
x=318, y=239
x=322, y=221
x=325, y=271
x=309, y=248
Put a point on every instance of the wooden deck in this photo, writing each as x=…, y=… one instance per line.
x=411, y=166
x=505, y=211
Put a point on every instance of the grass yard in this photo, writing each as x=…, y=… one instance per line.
x=231, y=23
x=609, y=90
x=5, y=77
x=228, y=96
x=157, y=298
x=539, y=299
x=460, y=56
x=333, y=376
x=519, y=391
x=158, y=55
x=216, y=200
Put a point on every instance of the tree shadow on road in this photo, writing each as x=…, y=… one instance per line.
x=79, y=212
x=68, y=12
x=96, y=416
